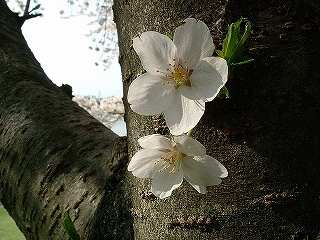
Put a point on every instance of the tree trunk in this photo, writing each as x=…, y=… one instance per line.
x=54, y=157
x=266, y=134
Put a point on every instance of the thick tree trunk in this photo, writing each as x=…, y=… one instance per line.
x=266, y=134
x=54, y=157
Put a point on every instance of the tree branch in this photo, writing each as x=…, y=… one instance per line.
x=26, y=15
x=55, y=156
x=26, y=10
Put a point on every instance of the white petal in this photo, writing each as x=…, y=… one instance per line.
x=213, y=166
x=143, y=165
x=163, y=183
x=209, y=77
x=156, y=51
x=203, y=171
x=194, y=42
x=188, y=92
x=155, y=141
x=183, y=115
x=220, y=65
x=148, y=96
x=189, y=146
x=200, y=189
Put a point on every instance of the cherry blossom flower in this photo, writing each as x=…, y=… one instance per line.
x=168, y=161
x=181, y=75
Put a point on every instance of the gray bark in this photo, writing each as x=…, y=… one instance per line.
x=54, y=157
x=266, y=134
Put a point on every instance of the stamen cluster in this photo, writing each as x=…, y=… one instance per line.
x=168, y=160
x=184, y=64
x=181, y=75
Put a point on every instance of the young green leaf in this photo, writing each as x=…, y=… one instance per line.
x=238, y=50
x=231, y=40
x=242, y=60
x=169, y=35
x=220, y=53
x=233, y=45
x=224, y=93
x=69, y=227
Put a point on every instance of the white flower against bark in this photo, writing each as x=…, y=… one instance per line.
x=168, y=161
x=181, y=75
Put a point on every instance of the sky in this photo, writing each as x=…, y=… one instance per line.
x=61, y=47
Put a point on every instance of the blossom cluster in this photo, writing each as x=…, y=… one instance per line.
x=107, y=110
x=181, y=75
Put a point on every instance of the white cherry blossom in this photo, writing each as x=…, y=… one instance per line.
x=181, y=75
x=168, y=161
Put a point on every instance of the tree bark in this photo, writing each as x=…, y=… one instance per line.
x=54, y=156
x=266, y=134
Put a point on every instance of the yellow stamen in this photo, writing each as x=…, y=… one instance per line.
x=170, y=163
x=179, y=75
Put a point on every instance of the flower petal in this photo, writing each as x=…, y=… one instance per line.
x=156, y=51
x=189, y=146
x=194, y=42
x=143, y=165
x=184, y=114
x=163, y=183
x=148, y=96
x=188, y=92
x=220, y=65
x=203, y=171
x=209, y=77
x=155, y=141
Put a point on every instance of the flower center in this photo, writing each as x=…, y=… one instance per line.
x=171, y=162
x=179, y=75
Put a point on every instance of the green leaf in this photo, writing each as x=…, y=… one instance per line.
x=169, y=35
x=220, y=53
x=238, y=50
x=233, y=45
x=242, y=60
x=224, y=93
x=69, y=227
x=232, y=50
x=232, y=39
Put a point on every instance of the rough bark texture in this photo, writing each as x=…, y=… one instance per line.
x=54, y=157
x=266, y=134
